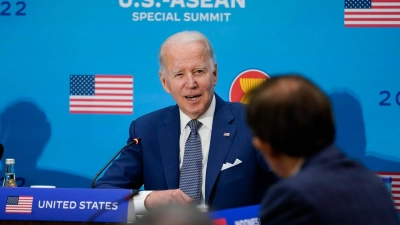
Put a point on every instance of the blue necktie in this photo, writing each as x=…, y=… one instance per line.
x=191, y=171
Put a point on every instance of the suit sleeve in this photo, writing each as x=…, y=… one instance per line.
x=127, y=170
x=287, y=206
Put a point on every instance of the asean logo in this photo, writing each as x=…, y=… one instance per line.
x=244, y=82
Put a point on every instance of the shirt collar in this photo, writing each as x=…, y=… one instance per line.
x=206, y=119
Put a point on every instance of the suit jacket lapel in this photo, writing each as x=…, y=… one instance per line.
x=168, y=136
x=220, y=144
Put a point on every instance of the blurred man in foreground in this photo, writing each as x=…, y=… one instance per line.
x=293, y=125
x=197, y=151
x=175, y=215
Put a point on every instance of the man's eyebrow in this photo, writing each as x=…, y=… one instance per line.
x=176, y=71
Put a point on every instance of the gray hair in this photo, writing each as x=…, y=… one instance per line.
x=182, y=38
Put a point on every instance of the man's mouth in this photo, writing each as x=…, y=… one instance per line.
x=192, y=97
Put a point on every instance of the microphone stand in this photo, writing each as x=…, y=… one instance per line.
x=134, y=141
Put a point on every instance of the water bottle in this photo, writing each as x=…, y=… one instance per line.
x=9, y=177
x=387, y=181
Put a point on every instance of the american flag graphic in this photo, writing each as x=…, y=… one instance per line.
x=395, y=186
x=19, y=204
x=372, y=13
x=101, y=94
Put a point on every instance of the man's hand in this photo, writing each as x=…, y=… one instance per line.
x=159, y=198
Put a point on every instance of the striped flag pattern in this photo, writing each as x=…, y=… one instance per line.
x=395, y=186
x=372, y=13
x=101, y=94
x=19, y=204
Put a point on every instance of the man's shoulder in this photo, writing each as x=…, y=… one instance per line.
x=237, y=106
x=157, y=114
x=234, y=107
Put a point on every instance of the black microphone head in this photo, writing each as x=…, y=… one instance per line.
x=1, y=150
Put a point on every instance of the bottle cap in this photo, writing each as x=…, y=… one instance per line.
x=386, y=179
x=10, y=161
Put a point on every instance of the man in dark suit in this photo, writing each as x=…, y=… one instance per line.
x=232, y=172
x=294, y=129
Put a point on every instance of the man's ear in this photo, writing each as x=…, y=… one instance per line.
x=264, y=147
x=215, y=73
x=164, y=82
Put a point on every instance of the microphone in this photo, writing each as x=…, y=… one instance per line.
x=135, y=141
x=1, y=150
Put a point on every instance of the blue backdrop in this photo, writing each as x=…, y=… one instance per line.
x=43, y=43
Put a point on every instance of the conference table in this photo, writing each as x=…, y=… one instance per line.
x=73, y=206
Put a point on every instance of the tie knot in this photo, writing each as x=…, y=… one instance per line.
x=194, y=125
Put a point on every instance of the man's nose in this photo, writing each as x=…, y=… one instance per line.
x=191, y=81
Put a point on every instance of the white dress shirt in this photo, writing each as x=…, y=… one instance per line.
x=205, y=135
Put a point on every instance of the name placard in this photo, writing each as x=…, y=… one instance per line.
x=66, y=204
x=237, y=216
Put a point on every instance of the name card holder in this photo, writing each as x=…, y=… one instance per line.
x=66, y=204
